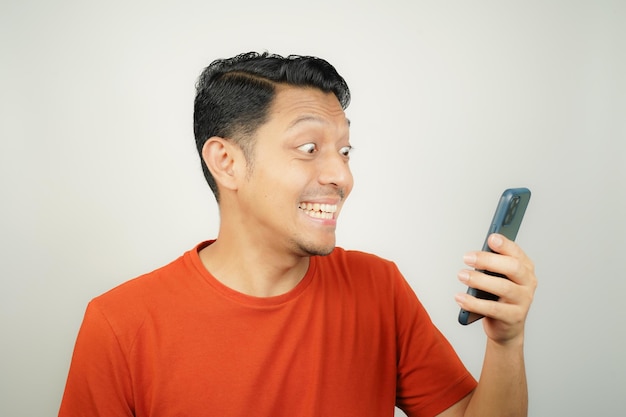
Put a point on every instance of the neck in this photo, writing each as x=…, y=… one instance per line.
x=252, y=269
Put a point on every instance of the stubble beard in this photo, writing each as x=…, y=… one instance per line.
x=312, y=249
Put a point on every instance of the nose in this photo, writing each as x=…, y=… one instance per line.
x=334, y=170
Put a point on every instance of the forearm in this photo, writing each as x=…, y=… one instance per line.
x=502, y=390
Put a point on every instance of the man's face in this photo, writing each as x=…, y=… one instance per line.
x=299, y=175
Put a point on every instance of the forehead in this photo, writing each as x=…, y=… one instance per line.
x=293, y=105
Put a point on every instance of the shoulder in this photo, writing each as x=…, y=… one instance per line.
x=358, y=259
x=125, y=309
x=362, y=264
x=155, y=291
x=369, y=271
x=148, y=284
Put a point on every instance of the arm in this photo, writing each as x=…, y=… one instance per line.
x=502, y=389
x=98, y=383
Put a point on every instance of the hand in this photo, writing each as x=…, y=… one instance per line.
x=504, y=319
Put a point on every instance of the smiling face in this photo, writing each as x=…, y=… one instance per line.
x=299, y=175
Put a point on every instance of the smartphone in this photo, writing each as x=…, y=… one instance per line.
x=506, y=221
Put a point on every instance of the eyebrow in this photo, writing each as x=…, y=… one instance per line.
x=310, y=118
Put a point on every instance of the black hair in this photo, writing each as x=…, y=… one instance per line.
x=233, y=95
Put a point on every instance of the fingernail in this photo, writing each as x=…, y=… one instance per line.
x=469, y=259
x=464, y=276
x=459, y=298
x=496, y=240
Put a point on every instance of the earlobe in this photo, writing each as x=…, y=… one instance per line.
x=220, y=156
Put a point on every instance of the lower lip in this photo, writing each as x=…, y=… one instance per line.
x=325, y=222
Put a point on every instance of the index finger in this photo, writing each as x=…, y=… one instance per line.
x=504, y=246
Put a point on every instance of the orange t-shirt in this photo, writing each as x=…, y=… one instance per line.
x=351, y=339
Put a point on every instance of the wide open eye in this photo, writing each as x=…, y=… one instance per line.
x=345, y=151
x=308, y=148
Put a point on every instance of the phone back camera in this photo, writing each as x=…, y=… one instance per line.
x=510, y=214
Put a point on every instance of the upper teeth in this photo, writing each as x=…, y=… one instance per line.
x=317, y=210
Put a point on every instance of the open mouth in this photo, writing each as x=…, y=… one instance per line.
x=318, y=210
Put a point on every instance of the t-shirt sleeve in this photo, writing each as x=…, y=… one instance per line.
x=98, y=383
x=431, y=377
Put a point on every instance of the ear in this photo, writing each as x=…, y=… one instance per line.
x=225, y=160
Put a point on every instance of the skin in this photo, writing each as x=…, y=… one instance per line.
x=502, y=389
x=301, y=154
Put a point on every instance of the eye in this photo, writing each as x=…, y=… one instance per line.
x=345, y=151
x=308, y=148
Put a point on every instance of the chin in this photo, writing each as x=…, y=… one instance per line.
x=322, y=252
x=317, y=249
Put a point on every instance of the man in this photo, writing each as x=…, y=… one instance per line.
x=270, y=318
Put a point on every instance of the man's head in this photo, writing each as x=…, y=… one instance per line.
x=234, y=96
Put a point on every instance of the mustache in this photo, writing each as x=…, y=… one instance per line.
x=326, y=193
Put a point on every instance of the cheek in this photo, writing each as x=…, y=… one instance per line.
x=278, y=182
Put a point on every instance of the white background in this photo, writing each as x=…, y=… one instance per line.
x=453, y=101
